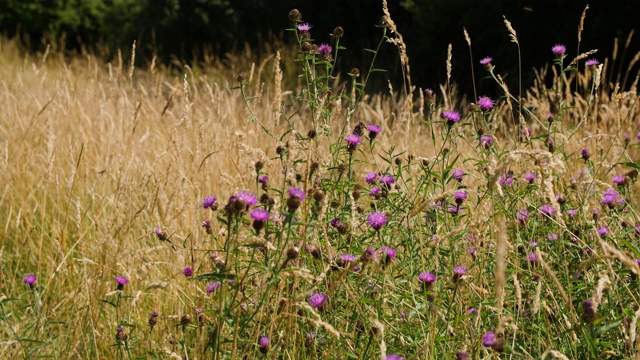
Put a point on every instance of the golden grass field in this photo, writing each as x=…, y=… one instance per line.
x=96, y=155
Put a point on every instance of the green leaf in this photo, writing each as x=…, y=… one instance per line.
x=630, y=164
x=606, y=328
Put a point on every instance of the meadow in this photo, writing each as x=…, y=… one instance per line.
x=273, y=208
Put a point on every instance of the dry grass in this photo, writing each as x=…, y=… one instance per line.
x=96, y=155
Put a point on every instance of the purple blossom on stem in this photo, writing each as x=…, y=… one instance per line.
x=393, y=357
x=486, y=60
x=348, y=257
x=592, y=62
x=325, y=49
x=297, y=192
x=488, y=339
x=373, y=130
x=209, y=202
x=559, y=50
x=548, y=210
x=187, y=271
x=30, y=280
x=371, y=177
x=486, y=140
x=572, y=212
x=603, y=231
x=318, y=301
x=213, y=287
x=376, y=220
x=505, y=180
x=609, y=196
x=374, y=191
x=335, y=222
x=386, y=179
x=451, y=116
x=352, y=139
x=485, y=103
x=522, y=216
x=533, y=257
x=304, y=27
x=248, y=198
x=530, y=177
x=618, y=179
x=457, y=174
x=427, y=277
x=263, y=179
x=259, y=214
x=121, y=282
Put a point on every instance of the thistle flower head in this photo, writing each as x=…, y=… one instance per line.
x=259, y=214
x=371, y=177
x=209, y=202
x=485, y=103
x=187, y=271
x=318, y=300
x=304, y=27
x=488, y=339
x=559, y=50
x=376, y=220
x=30, y=280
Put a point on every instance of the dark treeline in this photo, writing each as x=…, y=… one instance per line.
x=182, y=28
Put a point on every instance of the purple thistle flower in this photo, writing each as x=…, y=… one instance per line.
x=389, y=253
x=451, y=116
x=548, y=210
x=505, y=180
x=325, y=49
x=263, y=179
x=248, y=198
x=427, y=277
x=206, y=224
x=335, y=222
x=259, y=214
x=471, y=250
x=373, y=129
x=263, y=341
x=371, y=177
x=352, y=139
x=533, y=257
x=459, y=270
x=375, y=191
x=121, y=282
x=304, y=27
x=471, y=311
x=530, y=177
x=30, y=280
x=585, y=154
x=187, y=271
x=386, y=179
x=457, y=174
x=462, y=355
x=209, y=202
x=485, y=103
x=592, y=62
x=318, y=301
x=393, y=357
x=213, y=287
x=618, y=179
x=572, y=212
x=603, y=231
x=486, y=140
x=348, y=257
x=376, y=220
x=488, y=339
x=552, y=237
x=486, y=60
x=559, y=50
x=296, y=192
x=460, y=195
x=609, y=196
x=522, y=216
